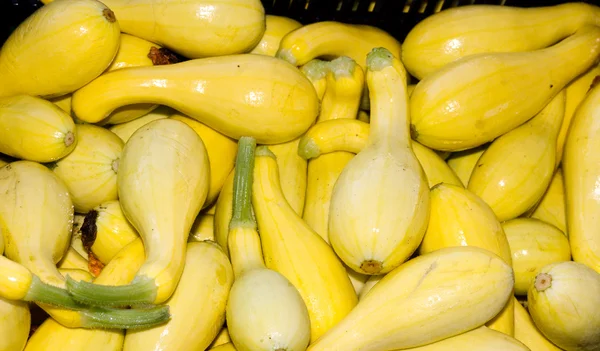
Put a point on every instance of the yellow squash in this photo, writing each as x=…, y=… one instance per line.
x=35, y=129
x=564, y=302
x=203, y=228
x=460, y=218
x=514, y=172
x=369, y=284
x=205, y=283
x=293, y=171
x=480, y=339
x=52, y=336
x=73, y=260
x=533, y=245
x=276, y=28
x=551, y=208
x=90, y=171
x=193, y=28
x=380, y=203
x=126, y=130
x=224, y=347
x=527, y=333
x=15, y=321
x=133, y=52
x=259, y=294
x=581, y=169
x=293, y=249
x=463, y=162
x=223, y=213
x=221, y=155
x=476, y=99
x=576, y=92
x=231, y=94
x=163, y=182
x=427, y=299
x=59, y=48
x=331, y=39
x=316, y=71
x=106, y=231
x=345, y=82
x=353, y=135
x=458, y=32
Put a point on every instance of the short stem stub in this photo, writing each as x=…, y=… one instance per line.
x=543, y=281
x=69, y=139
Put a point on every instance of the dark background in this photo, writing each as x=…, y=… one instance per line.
x=395, y=16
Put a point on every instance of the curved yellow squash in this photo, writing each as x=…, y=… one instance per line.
x=59, y=48
x=231, y=94
x=476, y=99
x=466, y=30
x=193, y=28
x=277, y=27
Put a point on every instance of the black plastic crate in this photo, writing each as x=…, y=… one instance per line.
x=395, y=16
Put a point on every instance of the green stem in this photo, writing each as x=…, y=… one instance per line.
x=342, y=66
x=124, y=318
x=140, y=291
x=379, y=58
x=51, y=295
x=315, y=69
x=308, y=148
x=242, y=184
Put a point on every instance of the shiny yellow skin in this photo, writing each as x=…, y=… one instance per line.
x=276, y=28
x=34, y=129
x=533, y=245
x=293, y=249
x=126, y=130
x=58, y=49
x=231, y=94
x=332, y=39
x=427, y=299
x=448, y=112
x=203, y=228
x=293, y=171
x=576, y=92
x=205, y=281
x=352, y=136
x=113, y=231
x=221, y=339
x=380, y=203
x=460, y=218
x=551, y=208
x=133, y=52
x=463, y=162
x=514, y=172
x=36, y=218
x=527, y=333
x=480, y=339
x=170, y=156
x=345, y=81
x=64, y=102
x=90, y=171
x=221, y=155
x=564, y=303
x=73, y=260
x=581, y=168
x=466, y=30
x=369, y=284
x=193, y=28
x=54, y=336
x=15, y=321
x=223, y=213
